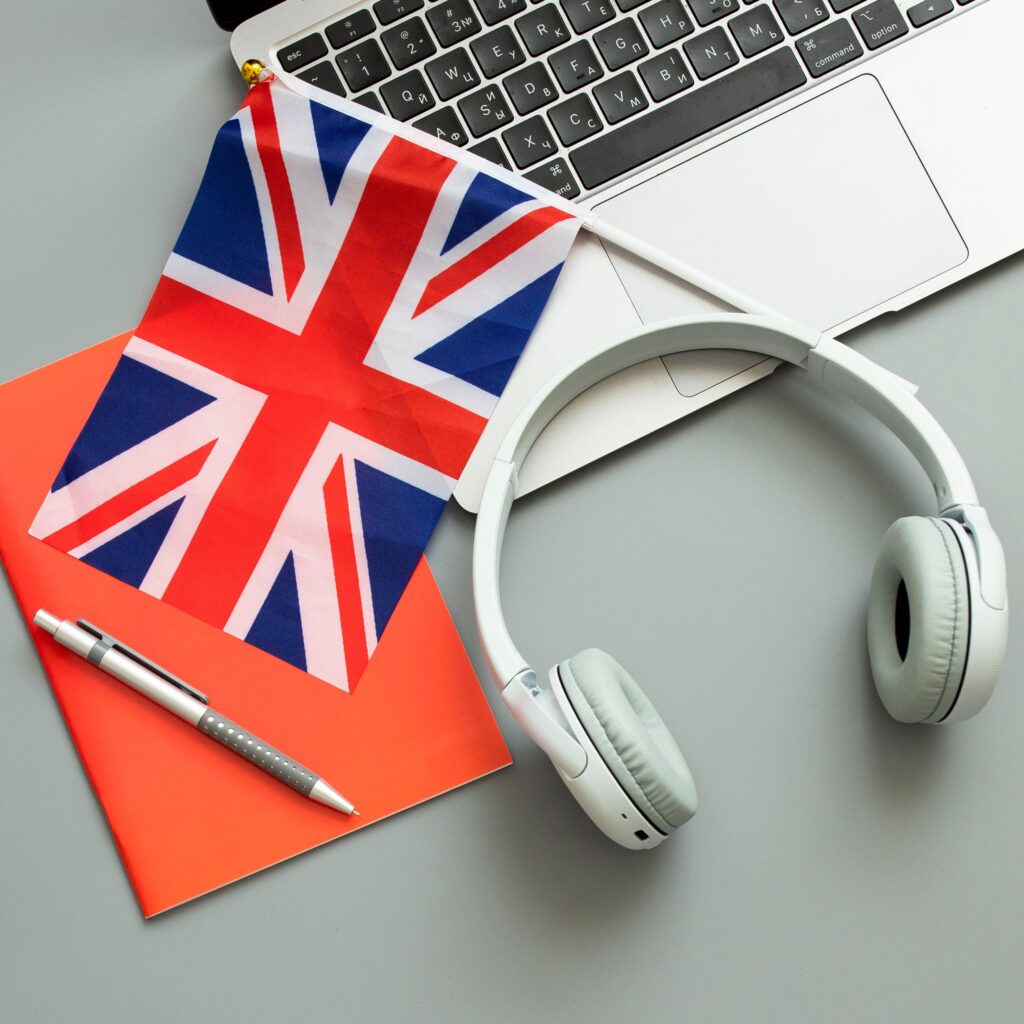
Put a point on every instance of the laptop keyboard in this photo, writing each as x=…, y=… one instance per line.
x=577, y=93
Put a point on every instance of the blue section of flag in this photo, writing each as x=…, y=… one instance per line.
x=397, y=521
x=337, y=136
x=224, y=230
x=129, y=555
x=277, y=628
x=137, y=403
x=485, y=351
x=485, y=199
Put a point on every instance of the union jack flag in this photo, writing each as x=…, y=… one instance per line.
x=340, y=314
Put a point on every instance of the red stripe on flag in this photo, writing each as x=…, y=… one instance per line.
x=503, y=244
x=346, y=574
x=128, y=502
x=286, y=221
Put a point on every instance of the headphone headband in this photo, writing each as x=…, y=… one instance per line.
x=828, y=362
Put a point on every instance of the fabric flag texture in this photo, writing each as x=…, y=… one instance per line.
x=339, y=316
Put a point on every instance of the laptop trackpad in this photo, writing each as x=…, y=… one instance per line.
x=823, y=212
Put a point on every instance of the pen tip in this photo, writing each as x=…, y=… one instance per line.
x=355, y=812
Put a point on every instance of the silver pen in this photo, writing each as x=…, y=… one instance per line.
x=176, y=696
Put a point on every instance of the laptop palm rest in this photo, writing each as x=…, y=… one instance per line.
x=823, y=212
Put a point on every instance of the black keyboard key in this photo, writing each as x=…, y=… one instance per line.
x=707, y=11
x=348, y=30
x=831, y=47
x=880, y=23
x=323, y=76
x=363, y=64
x=575, y=66
x=490, y=149
x=557, y=177
x=923, y=13
x=800, y=15
x=620, y=97
x=370, y=101
x=453, y=21
x=302, y=52
x=543, y=29
x=485, y=110
x=497, y=52
x=408, y=43
x=843, y=5
x=710, y=53
x=630, y=5
x=584, y=15
x=529, y=142
x=389, y=11
x=665, y=22
x=665, y=74
x=575, y=119
x=498, y=10
x=687, y=117
x=620, y=44
x=756, y=30
x=452, y=74
x=443, y=124
x=407, y=95
x=530, y=89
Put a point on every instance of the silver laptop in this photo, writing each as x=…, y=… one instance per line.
x=835, y=158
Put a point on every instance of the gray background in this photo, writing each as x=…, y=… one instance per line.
x=841, y=868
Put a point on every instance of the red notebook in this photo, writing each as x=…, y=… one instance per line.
x=187, y=815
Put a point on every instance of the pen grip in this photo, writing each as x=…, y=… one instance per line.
x=258, y=751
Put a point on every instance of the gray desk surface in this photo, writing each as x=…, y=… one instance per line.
x=842, y=868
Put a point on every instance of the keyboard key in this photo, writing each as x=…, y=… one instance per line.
x=443, y=124
x=302, y=52
x=620, y=97
x=557, y=177
x=542, y=29
x=530, y=89
x=348, y=30
x=407, y=95
x=800, y=15
x=389, y=11
x=756, y=30
x=575, y=119
x=323, y=76
x=363, y=64
x=829, y=48
x=485, y=110
x=880, y=23
x=923, y=13
x=371, y=102
x=584, y=15
x=452, y=74
x=665, y=74
x=529, y=142
x=666, y=22
x=620, y=44
x=453, y=21
x=490, y=149
x=843, y=5
x=575, y=66
x=497, y=52
x=408, y=43
x=687, y=117
x=710, y=53
x=498, y=10
x=630, y=5
x=707, y=11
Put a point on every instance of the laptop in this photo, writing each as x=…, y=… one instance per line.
x=836, y=159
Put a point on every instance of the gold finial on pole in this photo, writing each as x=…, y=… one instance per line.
x=251, y=71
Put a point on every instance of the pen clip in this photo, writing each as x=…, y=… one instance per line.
x=112, y=643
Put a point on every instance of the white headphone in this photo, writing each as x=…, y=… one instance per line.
x=937, y=613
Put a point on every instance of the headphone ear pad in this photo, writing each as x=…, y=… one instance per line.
x=631, y=737
x=919, y=619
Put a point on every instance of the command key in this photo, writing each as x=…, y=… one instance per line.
x=829, y=48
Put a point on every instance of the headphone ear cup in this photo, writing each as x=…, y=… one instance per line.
x=919, y=619
x=631, y=737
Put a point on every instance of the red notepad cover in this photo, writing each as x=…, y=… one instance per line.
x=187, y=815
